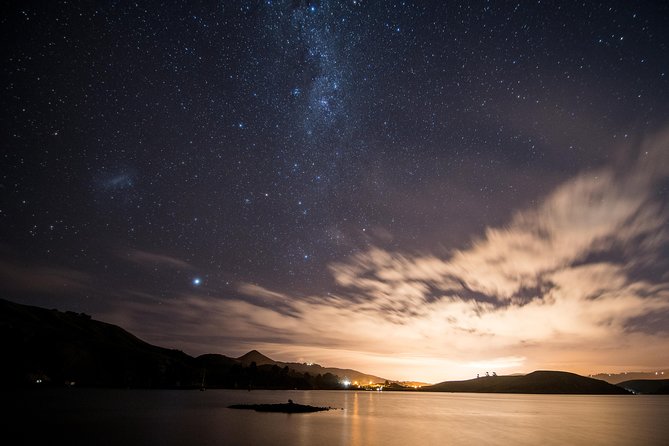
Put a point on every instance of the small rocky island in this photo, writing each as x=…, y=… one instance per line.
x=289, y=407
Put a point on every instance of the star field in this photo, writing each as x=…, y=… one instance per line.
x=157, y=149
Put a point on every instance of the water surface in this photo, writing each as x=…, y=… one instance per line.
x=183, y=417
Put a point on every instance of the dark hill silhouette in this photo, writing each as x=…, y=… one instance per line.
x=57, y=348
x=546, y=382
x=312, y=369
x=257, y=357
x=646, y=386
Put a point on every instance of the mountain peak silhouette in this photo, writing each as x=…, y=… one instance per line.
x=255, y=356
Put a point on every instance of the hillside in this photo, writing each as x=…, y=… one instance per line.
x=57, y=348
x=312, y=369
x=351, y=375
x=545, y=382
x=67, y=347
x=616, y=378
x=646, y=386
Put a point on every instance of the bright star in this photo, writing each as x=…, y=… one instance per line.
x=197, y=281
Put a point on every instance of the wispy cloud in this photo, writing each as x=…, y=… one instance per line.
x=42, y=279
x=152, y=259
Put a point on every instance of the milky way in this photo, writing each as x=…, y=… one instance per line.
x=297, y=160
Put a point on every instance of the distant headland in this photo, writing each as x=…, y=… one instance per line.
x=543, y=381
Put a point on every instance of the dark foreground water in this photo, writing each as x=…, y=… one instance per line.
x=161, y=417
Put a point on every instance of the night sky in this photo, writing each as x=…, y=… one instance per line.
x=420, y=190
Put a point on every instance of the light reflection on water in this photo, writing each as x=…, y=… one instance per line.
x=140, y=417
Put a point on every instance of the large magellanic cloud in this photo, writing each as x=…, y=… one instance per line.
x=566, y=284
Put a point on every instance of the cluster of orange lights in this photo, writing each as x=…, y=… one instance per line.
x=370, y=385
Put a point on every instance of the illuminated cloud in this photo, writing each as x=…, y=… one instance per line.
x=560, y=286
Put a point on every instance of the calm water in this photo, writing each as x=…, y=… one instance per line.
x=148, y=417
